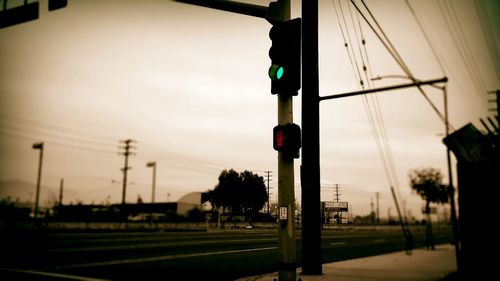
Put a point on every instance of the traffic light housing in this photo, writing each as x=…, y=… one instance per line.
x=285, y=53
x=287, y=139
x=57, y=4
x=19, y=14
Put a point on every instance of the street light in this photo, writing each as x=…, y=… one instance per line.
x=451, y=191
x=153, y=164
x=391, y=76
x=39, y=146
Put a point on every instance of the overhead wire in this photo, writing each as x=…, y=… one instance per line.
x=372, y=106
x=456, y=31
x=30, y=130
x=376, y=112
x=354, y=65
x=85, y=136
x=51, y=137
x=378, y=123
x=389, y=158
x=374, y=125
x=393, y=52
x=359, y=48
x=442, y=64
x=426, y=36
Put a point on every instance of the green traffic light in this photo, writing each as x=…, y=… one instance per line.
x=276, y=72
x=280, y=72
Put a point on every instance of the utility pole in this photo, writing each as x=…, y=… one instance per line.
x=153, y=164
x=378, y=209
x=61, y=186
x=336, y=198
x=125, y=168
x=39, y=177
x=451, y=189
x=372, y=212
x=268, y=174
x=336, y=194
x=310, y=169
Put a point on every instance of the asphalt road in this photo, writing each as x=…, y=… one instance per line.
x=214, y=255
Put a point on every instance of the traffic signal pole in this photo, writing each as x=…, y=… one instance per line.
x=286, y=191
x=286, y=199
x=278, y=12
x=310, y=169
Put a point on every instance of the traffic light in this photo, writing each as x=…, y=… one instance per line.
x=57, y=4
x=19, y=14
x=287, y=139
x=285, y=57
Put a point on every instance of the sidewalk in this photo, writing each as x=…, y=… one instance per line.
x=421, y=265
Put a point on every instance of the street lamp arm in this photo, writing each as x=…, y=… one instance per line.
x=230, y=6
x=380, y=77
x=417, y=83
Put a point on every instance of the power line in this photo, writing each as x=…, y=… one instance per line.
x=393, y=52
x=426, y=37
x=354, y=64
x=457, y=34
x=373, y=110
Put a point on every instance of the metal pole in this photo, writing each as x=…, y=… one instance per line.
x=286, y=191
x=125, y=169
x=39, y=177
x=153, y=164
x=451, y=190
x=268, y=196
x=378, y=209
x=61, y=187
x=310, y=169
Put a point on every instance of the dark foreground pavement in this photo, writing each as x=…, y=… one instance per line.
x=421, y=265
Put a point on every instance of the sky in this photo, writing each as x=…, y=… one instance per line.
x=189, y=84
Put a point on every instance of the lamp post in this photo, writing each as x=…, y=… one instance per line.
x=39, y=146
x=451, y=190
x=153, y=164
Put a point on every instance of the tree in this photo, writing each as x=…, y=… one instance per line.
x=239, y=193
x=195, y=215
x=427, y=182
x=254, y=193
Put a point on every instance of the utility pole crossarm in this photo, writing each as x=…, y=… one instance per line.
x=394, y=87
x=230, y=6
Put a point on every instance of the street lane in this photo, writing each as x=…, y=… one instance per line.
x=225, y=255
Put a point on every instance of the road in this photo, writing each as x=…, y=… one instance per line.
x=221, y=255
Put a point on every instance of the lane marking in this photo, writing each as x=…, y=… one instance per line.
x=154, y=245
x=161, y=258
x=338, y=243
x=66, y=276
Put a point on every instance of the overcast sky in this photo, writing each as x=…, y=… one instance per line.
x=190, y=85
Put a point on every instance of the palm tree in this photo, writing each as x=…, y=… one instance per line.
x=427, y=182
